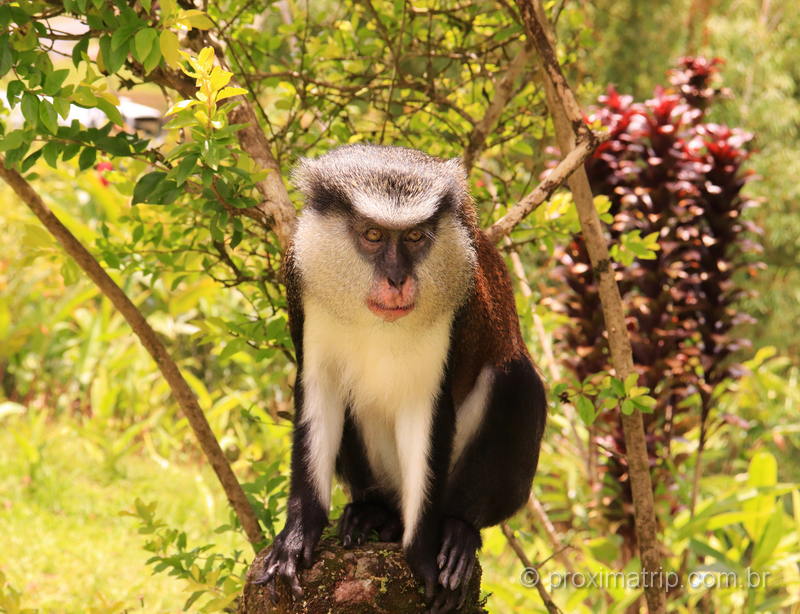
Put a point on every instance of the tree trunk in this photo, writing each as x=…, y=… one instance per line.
x=369, y=579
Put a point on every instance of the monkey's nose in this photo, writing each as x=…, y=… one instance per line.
x=397, y=281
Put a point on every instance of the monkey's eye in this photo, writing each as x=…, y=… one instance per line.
x=373, y=235
x=414, y=235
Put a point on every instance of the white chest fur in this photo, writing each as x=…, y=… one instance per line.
x=389, y=374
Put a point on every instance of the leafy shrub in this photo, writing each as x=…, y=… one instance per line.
x=669, y=175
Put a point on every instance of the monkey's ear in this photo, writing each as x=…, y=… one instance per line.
x=458, y=170
x=305, y=175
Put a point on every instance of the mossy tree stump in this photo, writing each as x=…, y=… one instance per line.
x=369, y=579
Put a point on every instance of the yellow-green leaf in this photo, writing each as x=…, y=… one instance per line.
x=170, y=48
x=143, y=43
x=228, y=92
x=219, y=78
x=195, y=19
x=180, y=106
x=205, y=58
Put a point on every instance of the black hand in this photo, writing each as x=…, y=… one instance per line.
x=292, y=549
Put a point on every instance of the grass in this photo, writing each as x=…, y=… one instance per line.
x=64, y=545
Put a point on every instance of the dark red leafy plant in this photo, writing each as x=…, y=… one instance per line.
x=666, y=171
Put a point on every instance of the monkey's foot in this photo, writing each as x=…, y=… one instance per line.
x=359, y=519
x=456, y=561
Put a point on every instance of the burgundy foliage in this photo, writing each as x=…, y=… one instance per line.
x=666, y=171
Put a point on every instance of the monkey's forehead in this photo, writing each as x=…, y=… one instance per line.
x=393, y=185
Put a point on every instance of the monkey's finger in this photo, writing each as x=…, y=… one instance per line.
x=458, y=575
x=267, y=570
x=444, y=552
x=363, y=525
x=345, y=528
x=290, y=574
x=308, y=554
x=430, y=585
x=449, y=569
x=269, y=574
x=445, y=602
x=464, y=589
x=391, y=532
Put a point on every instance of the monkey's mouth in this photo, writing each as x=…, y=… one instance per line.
x=389, y=313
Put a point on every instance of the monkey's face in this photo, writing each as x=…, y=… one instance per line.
x=366, y=271
x=394, y=254
x=384, y=239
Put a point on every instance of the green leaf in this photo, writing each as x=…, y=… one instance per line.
x=48, y=116
x=122, y=36
x=211, y=154
x=12, y=140
x=180, y=106
x=6, y=58
x=113, y=59
x=84, y=97
x=585, y=410
x=146, y=185
x=70, y=151
x=61, y=106
x=170, y=48
x=116, y=145
x=54, y=80
x=30, y=108
x=111, y=111
x=153, y=59
x=78, y=51
x=87, y=158
x=155, y=188
x=185, y=168
x=644, y=404
x=28, y=162
x=630, y=382
x=617, y=387
x=236, y=345
x=143, y=43
x=50, y=153
x=14, y=89
x=228, y=92
x=627, y=407
x=196, y=19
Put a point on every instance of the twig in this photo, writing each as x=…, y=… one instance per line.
x=551, y=606
x=503, y=92
x=536, y=508
x=180, y=389
x=573, y=160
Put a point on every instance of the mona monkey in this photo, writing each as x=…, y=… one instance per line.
x=414, y=384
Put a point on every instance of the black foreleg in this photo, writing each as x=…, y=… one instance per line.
x=306, y=517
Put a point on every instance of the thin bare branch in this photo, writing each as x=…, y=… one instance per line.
x=551, y=606
x=573, y=160
x=503, y=92
x=569, y=125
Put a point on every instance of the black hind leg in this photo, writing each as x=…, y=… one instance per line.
x=361, y=518
x=371, y=510
x=492, y=479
